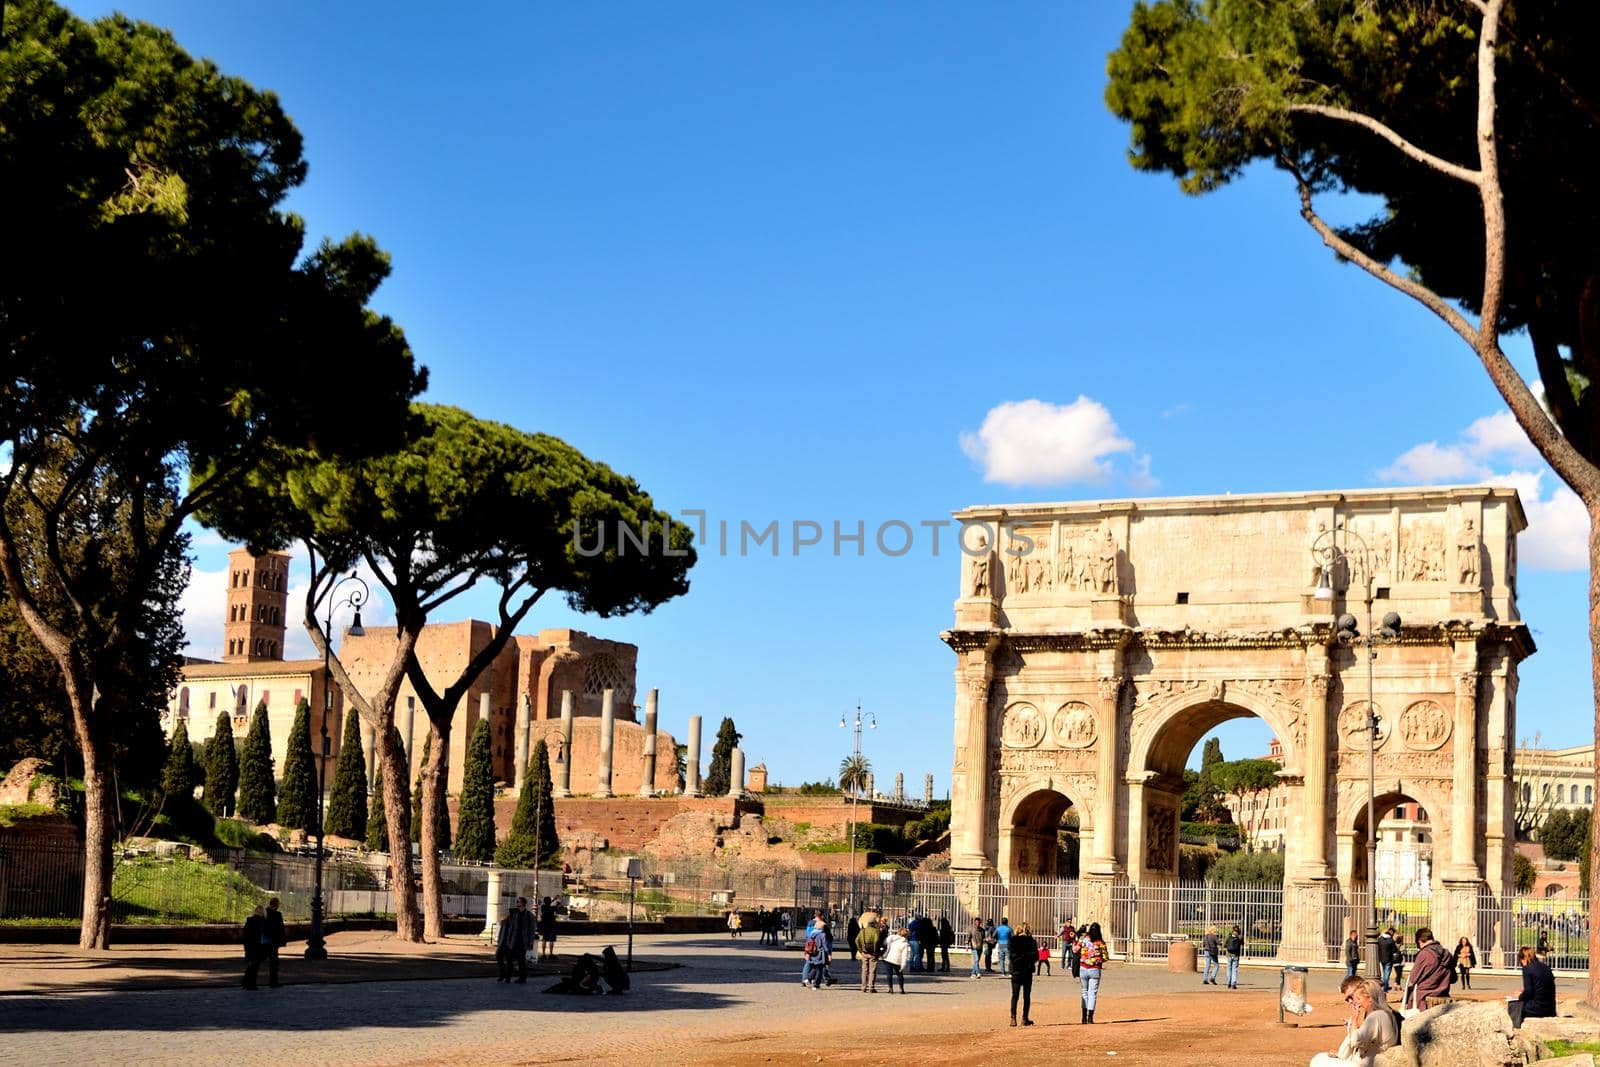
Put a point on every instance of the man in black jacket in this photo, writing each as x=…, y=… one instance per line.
x=1386, y=955
x=1024, y=958
x=263, y=936
x=947, y=937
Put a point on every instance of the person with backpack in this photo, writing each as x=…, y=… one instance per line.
x=1092, y=956
x=1211, y=948
x=815, y=954
x=868, y=945
x=1025, y=953
x=1234, y=947
x=1432, y=972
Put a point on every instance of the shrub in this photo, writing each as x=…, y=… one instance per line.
x=1248, y=868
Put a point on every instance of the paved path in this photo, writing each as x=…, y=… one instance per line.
x=727, y=1002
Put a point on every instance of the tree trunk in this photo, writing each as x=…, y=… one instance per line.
x=99, y=826
x=397, y=813
x=433, y=802
x=1593, y=993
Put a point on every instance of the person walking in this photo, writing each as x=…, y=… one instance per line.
x=735, y=923
x=913, y=930
x=1044, y=961
x=1430, y=976
x=977, y=948
x=1234, y=947
x=1538, y=997
x=512, y=940
x=1352, y=955
x=1002, y=940
x=1091, y=963
x=1211, y=947
x=273, y=938
x=897, y=957
x=547, y=929
x=1466, y=959
x=947, y=937
x=1025, y=954
x=1386, y=956
x=814, y=955
x=989, y=943
x=1069, y=942
x=255, y=944
x=1370, y=1027
x=1399, y=959
x=928, y=938
x=868, y=943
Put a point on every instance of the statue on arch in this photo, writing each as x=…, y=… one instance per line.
x=1107, y=561
x=1467, y=553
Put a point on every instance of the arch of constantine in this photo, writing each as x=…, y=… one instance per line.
x=1097, y=642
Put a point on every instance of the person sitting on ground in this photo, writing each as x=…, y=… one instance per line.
x=1538, y=986
x=611, y=970
x=584, y=979
x=1431, y=972
x=1370, y=1028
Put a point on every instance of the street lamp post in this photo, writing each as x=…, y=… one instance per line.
x=855, y=798
x=1347, y=632
x=316, y=944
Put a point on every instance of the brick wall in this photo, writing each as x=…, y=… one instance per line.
x=834, y=812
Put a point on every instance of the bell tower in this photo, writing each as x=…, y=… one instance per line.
x=258, y=598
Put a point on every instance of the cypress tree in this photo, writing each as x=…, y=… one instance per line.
x=347, y=803
x=535, y=800
x=377, y=820
x=443, y=814
x=297, y=795
x=475, y=812
x=222, y=768
x=257, y=791
x=177, y=774
x=720, y=772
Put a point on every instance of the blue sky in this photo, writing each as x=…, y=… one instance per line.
x=775, y=260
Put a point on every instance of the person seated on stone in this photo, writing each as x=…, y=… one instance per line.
x=1370, y=1028
x=1538, y=985
x=1430, y=972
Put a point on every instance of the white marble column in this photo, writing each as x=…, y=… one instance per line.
x=736, y=773
x=1314, y=821
x=647, y=771
x=972, y=761
x=900, y=785
x=524, y=729
x=1464, y=785
x=1105, y=811
x=491, y=906
x=691, y=774
x=563, y=786
x=608, y=723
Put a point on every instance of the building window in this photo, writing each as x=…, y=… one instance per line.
x=212, y=703
x=266, y=696
x=1400, y=811
x=1546, y=791
x=183, y=702
x=1588, y=794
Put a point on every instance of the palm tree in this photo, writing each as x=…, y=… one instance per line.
x=853, y=773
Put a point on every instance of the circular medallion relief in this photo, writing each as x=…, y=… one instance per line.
x=1424, y=726
x=1022, y=727
x=1074, y=725
x=1353, y=726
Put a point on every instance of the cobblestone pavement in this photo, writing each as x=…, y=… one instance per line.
x=728, y=1003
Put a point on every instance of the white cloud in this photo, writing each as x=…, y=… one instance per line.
x=1033, y=442
x=204, y=605
x=1494, y=450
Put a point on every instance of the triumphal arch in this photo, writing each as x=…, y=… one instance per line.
x=1097, y=642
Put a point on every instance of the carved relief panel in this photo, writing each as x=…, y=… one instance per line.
x=1074, y=725
x=1022, y=726
x=1353, y=726
x=1424, y=726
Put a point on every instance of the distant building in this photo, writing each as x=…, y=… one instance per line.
x=1549, y=778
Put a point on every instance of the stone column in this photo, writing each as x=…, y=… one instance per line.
x=1314, y=819
x=1461, y=878
x=491, y=904
x=1499, y=813
x=871, y=783
x=1136, y=835
x=970, y=814
x=563, y=786
x=608, y=723
x=691, y=774
x=524, y=728
x=369, y=748
x=927, y=790
x=1105, y=812
x=647, y=779
x=736, y=772
x=900, y=785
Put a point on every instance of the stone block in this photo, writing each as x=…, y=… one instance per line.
x=1465, y=1035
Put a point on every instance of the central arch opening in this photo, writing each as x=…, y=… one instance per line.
x=1044, y=837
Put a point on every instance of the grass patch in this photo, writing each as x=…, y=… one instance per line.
x=802, y=828
x=826, y=846
x=177, y=890
x=1572, y=1048
x=11, y=814
x=236, y=833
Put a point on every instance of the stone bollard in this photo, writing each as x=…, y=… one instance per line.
x=1182, y=957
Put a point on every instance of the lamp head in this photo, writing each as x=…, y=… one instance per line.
x=1391, y=626
x=1324, y=584
x=355, y=626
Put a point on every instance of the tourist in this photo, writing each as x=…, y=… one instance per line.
x=1370, y=1028
x=815, y=953
x=1399, y=958
x=947, y=937
x=513, y=939
x=989, y=943
x=547, y=929
x=761, y=923
x=1544, y=944
x=1044, y=960
x=826, y=926
x=1352, y=955
x=1069, y=945
x=1026, y=953
x=1387, y=951
x=1466, y=959
x=928, y=938
x=897, y=956
x=1002, y=940
x=1430, y=975
x=272, y=938
x=255, y=945
x=977, y=947
x=1211, y=948
x=1538, y=998
x=1234, y=947
x=913, y=928
x=1092, y=956
x=868, y=942
x=852, y=930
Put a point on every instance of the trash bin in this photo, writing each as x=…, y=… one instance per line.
x=1181, y=957
x=1293, y=987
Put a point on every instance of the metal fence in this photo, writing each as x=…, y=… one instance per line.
x=1558, y=927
